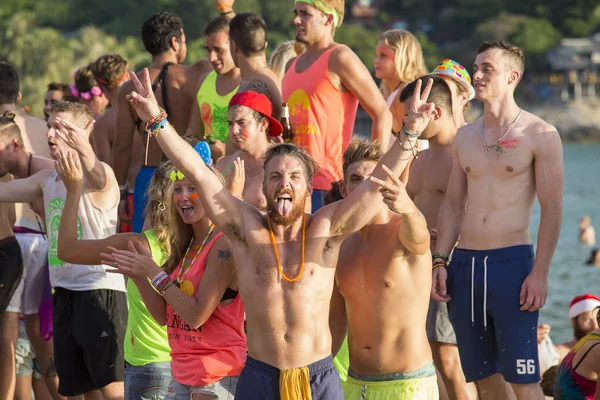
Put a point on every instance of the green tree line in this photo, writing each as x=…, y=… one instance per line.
x=48, y=40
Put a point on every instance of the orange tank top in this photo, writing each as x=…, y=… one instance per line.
x=203, y=355
x=322, y=117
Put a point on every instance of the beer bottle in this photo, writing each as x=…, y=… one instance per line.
x=287, y=134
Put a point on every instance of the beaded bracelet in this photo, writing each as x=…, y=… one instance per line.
x=156, y=128
x=440, y=256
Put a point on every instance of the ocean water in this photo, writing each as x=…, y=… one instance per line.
x=569, y=276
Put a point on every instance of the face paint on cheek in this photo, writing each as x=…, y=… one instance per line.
x=245, y=133
x=176, y=197
x=194, y=197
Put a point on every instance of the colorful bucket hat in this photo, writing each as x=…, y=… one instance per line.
x=454, y=70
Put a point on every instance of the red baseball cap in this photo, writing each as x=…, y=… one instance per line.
x=261, y=103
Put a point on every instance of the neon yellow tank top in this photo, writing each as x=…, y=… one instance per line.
x=213, y=108
x=145, y=340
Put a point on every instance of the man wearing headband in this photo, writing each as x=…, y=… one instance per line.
x=323, y=87
x=174, y=83
x=583, y=320
x=250, y=126
x=494, y=284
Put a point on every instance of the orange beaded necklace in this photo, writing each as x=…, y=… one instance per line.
x=279, y=268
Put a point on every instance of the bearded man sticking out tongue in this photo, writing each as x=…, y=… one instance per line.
x=286, y=260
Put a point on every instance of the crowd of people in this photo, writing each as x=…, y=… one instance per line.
x=162, y=236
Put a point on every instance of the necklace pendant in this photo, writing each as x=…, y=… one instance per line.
x=486, y=150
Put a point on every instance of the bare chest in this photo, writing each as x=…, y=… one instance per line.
x=430, y=174
x=253, y=193
x=510, y=157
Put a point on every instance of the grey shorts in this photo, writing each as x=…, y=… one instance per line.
x=439, y=328
x=25, y=356
x=221, y=390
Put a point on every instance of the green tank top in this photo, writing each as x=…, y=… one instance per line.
x=213, y=108
x=145, y=340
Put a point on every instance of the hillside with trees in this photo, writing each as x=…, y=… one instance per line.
x=48, y=40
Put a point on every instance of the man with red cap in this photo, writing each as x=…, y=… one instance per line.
x=250, y=122
x=583, y=319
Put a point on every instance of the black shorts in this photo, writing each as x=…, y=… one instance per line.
x=89, y=330
x=11, y=270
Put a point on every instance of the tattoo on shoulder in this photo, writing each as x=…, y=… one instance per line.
x=256, y=85
x=223, y=255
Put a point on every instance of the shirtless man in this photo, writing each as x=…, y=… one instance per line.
x=28, y=226
x=208, y=115
x=287, y=307
x=87, y=301
x=328, y=78
x=428, y=179
x=495, y=287
x=164, y=38
x=582, y=313
x=56, y=92
x=111, y=71
x=248, y=42
x=383, y=274
x=250, y=123
x=20, y=163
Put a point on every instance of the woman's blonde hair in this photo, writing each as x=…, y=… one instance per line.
x=173, y=234
x=282, y=54
x=408, y=57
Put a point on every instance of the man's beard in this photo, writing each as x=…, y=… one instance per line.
x=578, y=332
x=297, y=210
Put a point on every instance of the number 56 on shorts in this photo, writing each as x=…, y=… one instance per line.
x=525, y=367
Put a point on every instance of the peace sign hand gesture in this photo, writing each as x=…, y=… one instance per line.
x=394, y=193
x=419, y=111
x=143, y=100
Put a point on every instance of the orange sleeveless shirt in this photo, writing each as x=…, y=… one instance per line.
x=322, y=117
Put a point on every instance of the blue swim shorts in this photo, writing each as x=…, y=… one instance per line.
x=492, y=333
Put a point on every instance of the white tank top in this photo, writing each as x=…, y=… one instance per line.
x=92, y=223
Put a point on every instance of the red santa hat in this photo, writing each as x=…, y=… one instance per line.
x=583, y=303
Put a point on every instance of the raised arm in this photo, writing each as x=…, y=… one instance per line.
x=449, y=221
x=356, y=78
x=126, y=129
x=413, y=233
x=549, y=184
x=222, y=208
x=70, y=249
x=356, y=210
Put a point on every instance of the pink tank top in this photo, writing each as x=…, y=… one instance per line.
x=322, y=117
x=203, y=355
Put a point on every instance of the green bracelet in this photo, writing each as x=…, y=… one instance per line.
x=408, y=133
x=441, y=256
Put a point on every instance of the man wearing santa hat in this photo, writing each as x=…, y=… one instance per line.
x=583, y=319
